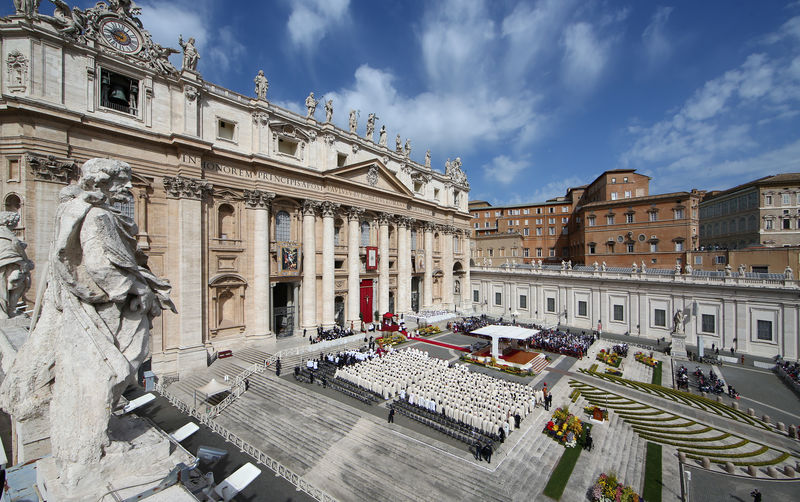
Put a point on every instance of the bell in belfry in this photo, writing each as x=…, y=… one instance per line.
x=119, y=95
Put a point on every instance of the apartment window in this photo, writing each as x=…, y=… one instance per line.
x=654, y=247
x=491, y=252
x=523, y=301
x=592, y=249
x=551, y=304
x=719, y=260
x=498, y=213
x=538, y=210
x=610, y=220
x=660, y=317
x=679, y=246
x=630, y=248
x=627, y=194
x=787, y=224
x=768, y=200
x=707, y=323
x=526, y=211
x=629, y=218
x=551, y=210
x=526, y=232
x=564, y=220
x=498, y=298
x=526, y=222
x=538, y=252
x=552, y=252
x=551, y=231
x=227, y=130
x=619, y=313
x=539, y=231
x=590, y=221
x=653, y=216
x=539, y=221
x=679, y=214
x=613, y=180
x=487, y=214
x=613, y=195
x=698, y=260
x=118, y=92
x=477, y=225
x=764, y=330
x=787, y=199
x=526, y=252
x=486, y=225
x=583, y=308
x=551, y=221
x=564, y=209
x=476, y=295
x=625, y=179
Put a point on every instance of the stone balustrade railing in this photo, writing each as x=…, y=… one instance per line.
x=258, y=455
x=237, y=388
x=648, y=275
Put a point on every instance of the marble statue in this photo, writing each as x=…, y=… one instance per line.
x=28, y=8
x=72, y=21
x=190, y=54
x=371, y=125
x=407, y=148
x=311, y=105
x=15, y=267
x=93, y=330
x=353, y=121
x=428, y=158
x=677, y=321
x=382, y=136
x=329, y=111
x=398, y=144
x=742, y=270
x=262, y=85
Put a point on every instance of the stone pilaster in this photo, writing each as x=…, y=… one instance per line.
x=466, y=286
x=259, y=202
x=383, y=262
x=427, y=280
x=309, y=308
x=328, y=210
x=447, y=267
x=190, y=291
x=403, y=265
x=354, y=215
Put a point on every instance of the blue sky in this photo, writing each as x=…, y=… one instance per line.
x=534, y=96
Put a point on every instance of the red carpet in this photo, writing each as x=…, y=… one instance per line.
x=440, y=344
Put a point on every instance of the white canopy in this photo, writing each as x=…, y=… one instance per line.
x=506, y=332
x=213, y=388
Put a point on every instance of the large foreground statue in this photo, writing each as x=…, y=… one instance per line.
x=15, y=267
x=93, y=331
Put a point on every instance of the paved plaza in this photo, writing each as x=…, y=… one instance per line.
x=347, y=448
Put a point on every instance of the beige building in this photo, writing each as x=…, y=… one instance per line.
x=265, y=222
x=763, y=212
x=755, y=260
x=494, y=250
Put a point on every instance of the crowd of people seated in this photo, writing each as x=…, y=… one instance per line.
x=323, y=335
x=477, y=400
x=621, y=349
x=562, y=342
x=469, y=324
x=792, y=370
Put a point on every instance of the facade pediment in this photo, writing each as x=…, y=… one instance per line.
x=371, y=174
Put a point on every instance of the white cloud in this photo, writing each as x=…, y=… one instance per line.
x=585, y=56
x=227, y=49
x=657, y=47
x=504, y=170
x=310, y=20
x=790, y=29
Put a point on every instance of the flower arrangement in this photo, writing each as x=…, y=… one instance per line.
x=644, y=359
x=608, y=488
x=430, y=330
x=610, y=358
x=564, y=427
x=613, y=371
x=391, y=339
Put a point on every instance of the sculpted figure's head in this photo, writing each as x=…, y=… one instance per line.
x=111, y=177
x=9, y=219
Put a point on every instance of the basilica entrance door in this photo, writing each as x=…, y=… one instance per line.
x=366, y=300
x=415, y=294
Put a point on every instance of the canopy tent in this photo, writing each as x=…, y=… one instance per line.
x=496, y=332
x=211, y=389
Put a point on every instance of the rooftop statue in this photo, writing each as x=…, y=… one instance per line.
x=329, y=111
x=262, y=85
x=353, y=121
x=382, y=137
x=94, y=328
x=371, y=125
x=428, y=158
x=311, y=105
x=190, y=54
x=15, y=267
x=407, y=148
x=28, y=8
x=398, y=144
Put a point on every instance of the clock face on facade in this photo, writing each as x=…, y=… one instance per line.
x=120, y=36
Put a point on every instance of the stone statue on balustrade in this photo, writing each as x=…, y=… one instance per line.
x=329, y=111
x=371, y=125
x=15, y=267
x=28, y=8
x=382, y=137
x=428, y=158
x=262, y=85
x=93, y=328
x=311, y=105
x=407, y=148
x=398, y=144
x=677, y=322
x=190, y=54
x=353, y=122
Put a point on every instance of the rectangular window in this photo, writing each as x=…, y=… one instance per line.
x=539, y=231
x=119, y=93
x=625, y=179
x=613, y=180
x=477, y=225
x=287, y=147
x=538, y=210
x=653, y=247
x=787, y=224
x=590, y=220
x=526, y=252
x=619, y=313
x=679, y=246
x=487, y=214
x=583, y=308
x=486, y=224
x=565, y=209
x=698, y=260
x=610, y=220
x=539, y=221
x=629, y=218
x=551, y=231
x=526, y=232
x=660, y=317
x=592, y=249
x=523, y=301
x=552, y=252
x=760, y=269
x=613, y=195
x=564, y=220
x=227, y=130
x=538, y=252
x=13, y=170
x=679, y=214
x=498, y=298
x=476, y=296
x=720, y=260
x=707, y=323
x=526, y=222
x=768, y=200
x=653, y=216
x=768, y=225
x=630, y=248
x=491, y=252
x=627, y=194
x=764, y=330
x=551, y=221
x=551, y=210
x=526, y=211
x=551, y=304
x=787, y=199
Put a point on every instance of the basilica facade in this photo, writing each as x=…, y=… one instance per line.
x=266, y=222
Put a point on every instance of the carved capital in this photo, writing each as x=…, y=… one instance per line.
x=429, y=226
x=329, y=139
x=186, y=188
x=50, y=168
x=260, y=118
x=191, y=92
x=329, y=209
x=384, y=218
x=354, y=213
x=310, y=207
x=404, y=221
x=258, y=199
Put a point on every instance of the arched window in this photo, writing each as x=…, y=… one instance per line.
x=283, y=227
x=365, y=233
x=126, y=208
x=13, y=203
x=225, y=222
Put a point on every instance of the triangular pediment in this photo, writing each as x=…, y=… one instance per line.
x=371, y=174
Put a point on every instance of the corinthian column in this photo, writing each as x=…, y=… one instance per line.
x=427, y=280
x=259, y=203
x=447, y=267
x=403, y=265
x=466, y=287
x=309, y=313
x=383, y=262
x=328, y=213
x=353, y=263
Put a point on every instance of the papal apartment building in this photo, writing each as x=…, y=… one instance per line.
x=265, y=222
